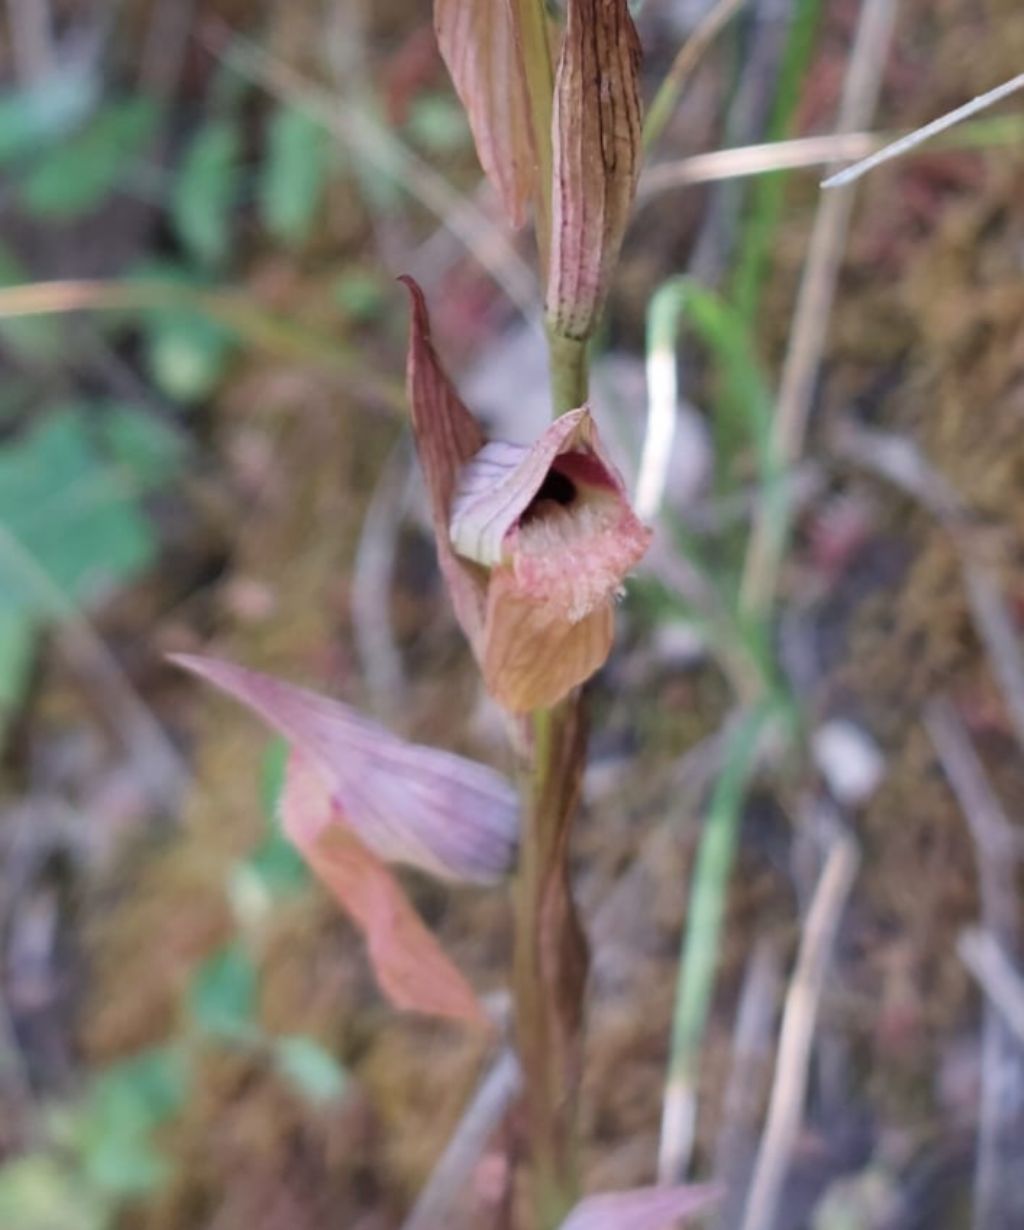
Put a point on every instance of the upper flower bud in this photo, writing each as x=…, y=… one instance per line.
x=597, y=135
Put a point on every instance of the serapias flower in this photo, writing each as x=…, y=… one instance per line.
x=356, y=797
x=534, y=541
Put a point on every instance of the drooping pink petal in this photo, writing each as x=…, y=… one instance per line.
x=598, y=142
x=477, y=42
x=410, y=804
x=447, y=436
x=411, y=967
x=643, y=1208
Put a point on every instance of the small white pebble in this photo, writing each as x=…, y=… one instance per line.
x=849, y=761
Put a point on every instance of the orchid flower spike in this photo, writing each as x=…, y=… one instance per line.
x=357, y=797
x=534, y=541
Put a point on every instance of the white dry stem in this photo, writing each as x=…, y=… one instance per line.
x=996, y=974
x=785, y=1108
x=996, y=1196
x=662, y=400
x=920, y=135
x=372, y=573
x=745, y=160
x=453, y=1172
x=814, y=303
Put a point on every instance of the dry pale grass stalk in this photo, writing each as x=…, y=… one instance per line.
x=687, y=58
x=451, y=1176
x=996, y=974
x=742, y=161
x=814, y=303
x=997, y=1197
x=785, y=1109
x=925, y=133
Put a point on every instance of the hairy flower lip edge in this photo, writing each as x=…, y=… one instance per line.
x=465, y=827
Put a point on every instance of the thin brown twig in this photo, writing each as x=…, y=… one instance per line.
x=687, y=58
x=785, y=1109
x=814, y=303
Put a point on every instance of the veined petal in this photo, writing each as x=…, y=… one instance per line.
x=411, y=967
x=533, y=655
x=643, y=1208
x=478, y=45
x=496, y=487
x=598, y=141
x=410, y=804
x=447, y=436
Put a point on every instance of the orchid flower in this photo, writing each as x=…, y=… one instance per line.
x=534, y=541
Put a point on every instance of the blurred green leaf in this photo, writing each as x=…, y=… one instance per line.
x=149, y=450
x=437, y=123
x=34, y=117
x=275, y=868
x=313, y=1071
x=35, y=338
x=277, y=865
x=272, y=772
x=81, y=172
x=122, y=1110
x=69, y=520
x=38, y=1193
x=185, y=349
x=360, y=295
x=293, y=175
x=205, y=192
x=222, y=997
x=17, y=648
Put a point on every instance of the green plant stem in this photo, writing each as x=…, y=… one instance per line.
x=550, y=961
x=569, y=372
x=698, y=958
x=549, y=978
x=535, y=49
